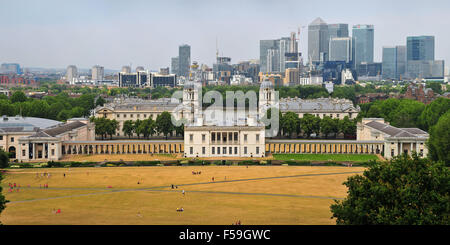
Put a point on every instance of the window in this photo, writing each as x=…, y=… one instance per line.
x=124, y=115
x=245, y=138
x=230, y=150
x=191, y=150
x=224, y=150
x=257, y=137
x=203, y=138
x=53, y=152
x=392, y=152
x=131, y=115
x=12, y=139
x=235, y=150
x=235, y=136
x=23, y=153
x=213, y=137
x=203, y=150
x=191, y=138
x=257, y=150
x=1, y=137
x=145, y=115
x=218, y=150
x=224, y=135
x=118, y=115
x=213, y=150
x=245, y=149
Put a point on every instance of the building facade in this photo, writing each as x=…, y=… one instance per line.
x=318, y=41
x=363, y=44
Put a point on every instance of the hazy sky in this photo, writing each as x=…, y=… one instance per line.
x=46, y=33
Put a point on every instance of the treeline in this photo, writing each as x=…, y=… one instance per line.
x=161, y=126
x=292, y=126
x=60, y=107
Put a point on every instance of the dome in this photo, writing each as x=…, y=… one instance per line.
x=267, y=84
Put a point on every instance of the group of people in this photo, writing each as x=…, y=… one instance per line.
x=237, y=222
x=56, y=211
x=47, y=175
x=13, y=187
x=45, y=186
x=195, y=173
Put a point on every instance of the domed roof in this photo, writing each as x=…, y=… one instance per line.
x=267, y=84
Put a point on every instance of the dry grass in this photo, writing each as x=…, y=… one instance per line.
x=157, y=206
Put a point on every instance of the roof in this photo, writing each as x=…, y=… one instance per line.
x=316, y=105
x=25, y=124
x=318, y=21
x=396, y=132
x=64, y=128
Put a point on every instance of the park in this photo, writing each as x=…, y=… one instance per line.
x=219, y=195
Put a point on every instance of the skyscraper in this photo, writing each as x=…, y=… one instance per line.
x=318, y=40
x=285, y=43
x=401, y=62
x=273, y=60
x=175, y=65
x=337, y=30
x=340, y=49
x=264, y=46
x=184, y=60
x=363, y=44
x=71, y=73
x=98, y=73
x=420, y=48
x=389, y=64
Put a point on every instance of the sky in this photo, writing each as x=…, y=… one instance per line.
x=56, y=34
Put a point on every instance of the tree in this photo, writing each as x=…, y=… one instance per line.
x=328, y=126
x=435, y=86
x=4, y=159
x=405, y=191
x=137, y=128
x=347, y=126
x=180, y=130
x=128, y=128
x=100, y=101
x=433, y=112
x=310, y=124
x=439, y=141
x=112, y=127
x=289, y=123
x=18, y=96
x=164, y=123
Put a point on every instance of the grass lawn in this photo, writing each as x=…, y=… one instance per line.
x=257, y=195
x=325, y=157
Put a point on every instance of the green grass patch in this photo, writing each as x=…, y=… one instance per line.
x=325, y=157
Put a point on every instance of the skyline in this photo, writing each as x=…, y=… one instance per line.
x=52, y=34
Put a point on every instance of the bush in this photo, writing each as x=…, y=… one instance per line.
x=25, y=165
x=147, y=163
x=53, y=164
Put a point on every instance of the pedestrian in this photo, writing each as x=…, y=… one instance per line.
x=182, y=192
x=64, y=175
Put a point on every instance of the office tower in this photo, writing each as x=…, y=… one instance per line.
x=292, y=77
x=264, y=46
x=340, y=49
x=420, y=48
x=337, y=30
x=126, y=69
x=175, y=65
x=13, y=68
x=293, y=45
x=273, y=60
x=284, y=47
x=184, y=60
x=98, y=73
x=401, y=62
x=71, y=73
x=363, y=42
x=420, y=58
x=318, y=40
x=389, y=64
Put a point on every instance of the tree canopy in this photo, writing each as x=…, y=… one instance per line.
x=405, y=191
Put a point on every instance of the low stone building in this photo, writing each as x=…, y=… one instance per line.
x=396, y=140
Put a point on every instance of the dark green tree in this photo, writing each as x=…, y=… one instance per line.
x=405, y=191
x=164, y=124
x=18, y=96
x=3, y=201
x=100, y=101
x=432, y=112
x=289, y=123
x=4, y=159
x=128, y=128
x=310, y=124
x=439, y=141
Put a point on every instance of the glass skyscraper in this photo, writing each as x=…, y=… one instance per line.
x=318, y=41
x=340, y=49
x=264, y=47
x=363, y=44
x=337, y=30
x=420, y=48
x=389, y=68
x=184, y=60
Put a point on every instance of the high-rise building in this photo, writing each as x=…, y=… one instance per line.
x=284, y=47
x=293, y=45
x=401, y=62
x=389, y=64
x=363, y=44
x=420, y=51
x=175, y=65
x=184, y=60
x=318, y=40
x=273, y=60
x=264, y=46
x=71, y=73
x=340, y=49
x=337, y=30
x=420, y=48
x=98, y=73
